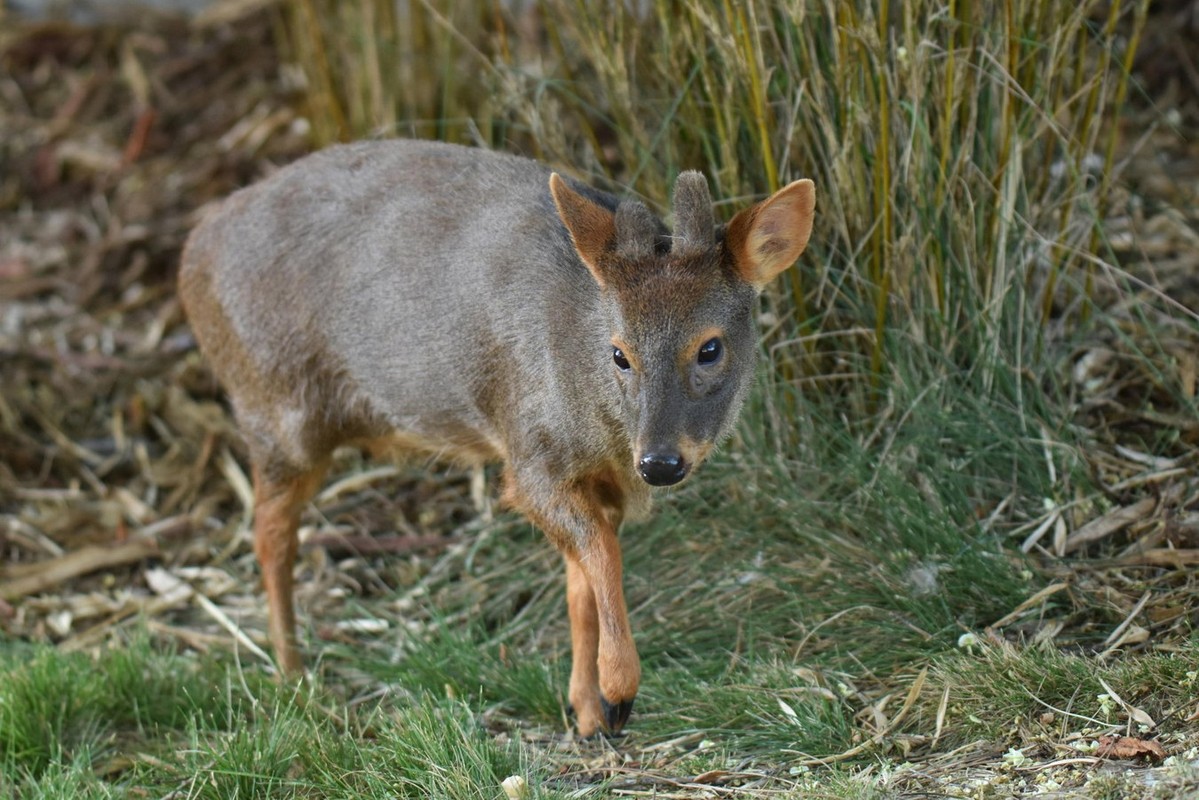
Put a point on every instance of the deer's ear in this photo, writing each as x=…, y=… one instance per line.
x=592, y=227
x=766, y=238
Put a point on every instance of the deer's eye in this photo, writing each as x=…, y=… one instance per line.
x=710, y=352
x=619, y=359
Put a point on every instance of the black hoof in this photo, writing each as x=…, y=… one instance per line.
x=616, y=715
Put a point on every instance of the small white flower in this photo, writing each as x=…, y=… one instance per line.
x=968, y=641
x=1106, y=704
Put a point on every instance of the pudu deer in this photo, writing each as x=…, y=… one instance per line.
x=417, y=296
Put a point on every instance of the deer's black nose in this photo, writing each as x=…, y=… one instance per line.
x=662, y=469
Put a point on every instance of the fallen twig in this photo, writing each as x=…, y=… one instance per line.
x=1109, y=523
x=93, y=558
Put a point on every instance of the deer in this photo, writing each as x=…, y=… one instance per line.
x=419, y=298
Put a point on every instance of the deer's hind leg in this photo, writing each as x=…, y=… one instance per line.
x=279, y=496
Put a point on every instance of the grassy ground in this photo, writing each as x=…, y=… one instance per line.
x=947, y=552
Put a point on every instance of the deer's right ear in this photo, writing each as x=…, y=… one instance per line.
x=592, y=227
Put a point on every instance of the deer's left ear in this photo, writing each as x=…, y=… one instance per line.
x=766, y=238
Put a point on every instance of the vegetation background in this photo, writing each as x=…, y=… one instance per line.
x=949, y=550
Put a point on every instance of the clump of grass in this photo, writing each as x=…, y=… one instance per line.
x=463, y=662
x=755, y=706
x=54, y=706
x=72, y=778
x=436, y=748
x=382, y=68
x=258, y=759
x=1004, y=692
x=141, y=721
x=440, y=751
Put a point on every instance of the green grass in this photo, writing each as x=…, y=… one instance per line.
x=141, y=720
x=995, y=690
x=464, y=662
x=137, y=720
x=58, y=705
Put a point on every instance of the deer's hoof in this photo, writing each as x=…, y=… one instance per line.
x=616, y=714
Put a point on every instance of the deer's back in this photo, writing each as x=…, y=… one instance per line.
x=402, y=287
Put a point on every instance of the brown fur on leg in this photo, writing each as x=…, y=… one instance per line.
x=584, y=641
x=619, y=665
x=277, y=506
